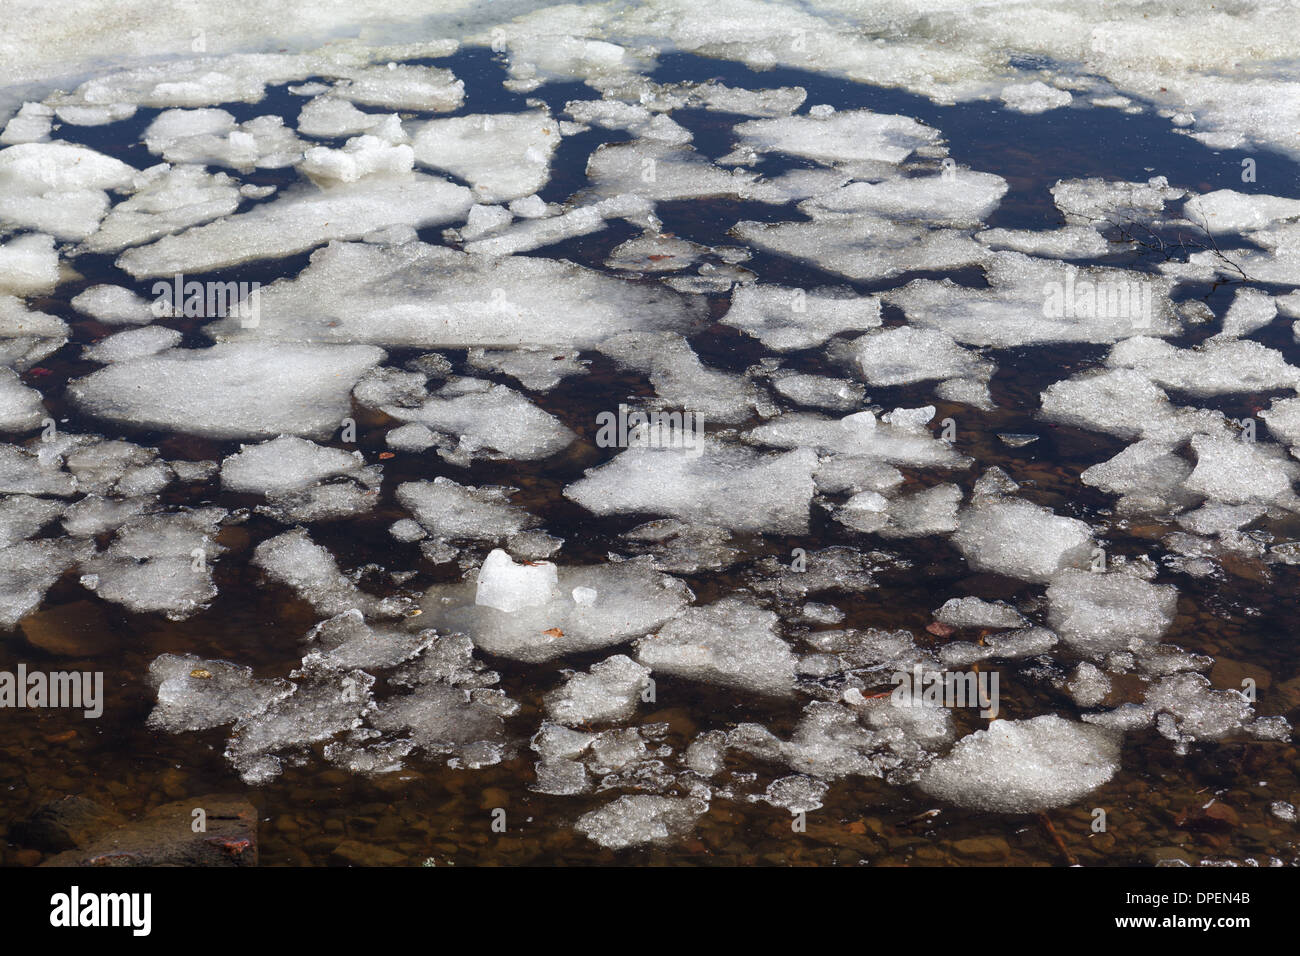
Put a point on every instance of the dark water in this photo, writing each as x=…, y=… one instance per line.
x=429, y=811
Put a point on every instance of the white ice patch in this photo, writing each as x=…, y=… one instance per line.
x=301, y=219
x=230, y=391
x=501, y=156
x=732, y=643
x=786, y=319
x=765, y=492
x=1021, y=766
x=1021, y=539
x=58, y=188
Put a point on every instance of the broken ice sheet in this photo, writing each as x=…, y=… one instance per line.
x=631, y=600
x=786, y=319
x=479, y=419
x=297, y=390
x=610, y=691
x=732, y=643
x=425, y=296
x=1021, y=766
x=502, y=156
x=766, y=492
x=641, y=818
x=324, y=702
x=196, y=694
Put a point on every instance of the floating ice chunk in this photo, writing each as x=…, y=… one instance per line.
x=1147, y=475
x=484, y=220
x=872, y=738
x=346, y=641
x=641, y=818
x=159, y=563
x=798, y=794
x=1126, y=403
x=899, y=437
x=781, y=101
x=287, y=464
x=26, y=336
x=634, y=600
x=845, y=136
x=903, y=355
x=1225, y=211
x=332, y=117
x=1185, y=708
x=972, y=612
x=1096, y=613
x=508, y=587
x=1069, y=242
x=923, y=513
x=299, y=220
x=23, y=473
x=114, y=305
x=538, y=370
x=1251, y=310
x=197, y=694
x=432, y=297
x=93, y=515
x=1020, y=766
x=838, y=474
x=1088, y=685
x=681, y=380
x=27, y=571
x=787, y=319
x=57, y=188
x=654, y=253
x=480, y=419
x=732, y=643
x=766, y=492
x=1035, y=300
x=212, y=137
x=31, y=124
x=464, y=725
x=819, y=391
x=22, y=516
x=1242, y=472
x=609, y=692
x=1218, y=367
x=1034, y=97
x=21, y=408
x=404, y=87
x=325, y=702
x=659, y=171
x=1009, y=645
x=452, y=512
x=544, y=231
x=133, y=344
x=1021, y=539
x=501, y=155
x=636, y=119
x=1283, y=419
x=865, y=248
x=960, y=197
x=413, y=437
x=1101, y=201
x=360, y=157
x=230, y=391
x=28, y=265
x=166, y=200
x=293, y=559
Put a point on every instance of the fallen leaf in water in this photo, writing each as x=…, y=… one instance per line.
x=553, y=632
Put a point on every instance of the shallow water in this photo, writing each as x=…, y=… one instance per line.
x=431, y=812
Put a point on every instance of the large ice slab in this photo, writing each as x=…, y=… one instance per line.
x=230, y=391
